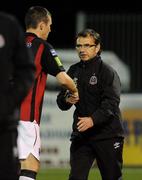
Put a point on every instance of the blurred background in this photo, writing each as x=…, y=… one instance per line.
x=120, y=27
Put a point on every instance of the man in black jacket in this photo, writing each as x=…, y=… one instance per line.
x=38, y=21
x=97, y=127
x=16, y=77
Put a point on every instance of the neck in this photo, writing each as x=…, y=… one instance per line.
x=34, y=31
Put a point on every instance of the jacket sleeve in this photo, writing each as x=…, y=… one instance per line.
x=110, y=98
x=62, y=104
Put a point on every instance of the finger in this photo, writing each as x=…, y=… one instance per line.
x=80, y=126
x=79, y=123
x=81, y=129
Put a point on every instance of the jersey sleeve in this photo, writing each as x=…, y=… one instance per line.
x=51, y=62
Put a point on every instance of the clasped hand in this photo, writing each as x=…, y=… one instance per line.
x=72, y=98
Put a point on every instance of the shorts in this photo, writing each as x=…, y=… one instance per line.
x=28, y=139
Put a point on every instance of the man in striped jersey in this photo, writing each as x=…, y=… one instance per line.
x=38, y=22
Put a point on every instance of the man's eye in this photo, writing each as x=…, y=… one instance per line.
x=86, y=45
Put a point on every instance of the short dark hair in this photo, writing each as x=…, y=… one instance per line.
x=36, y=14
x=92, y=33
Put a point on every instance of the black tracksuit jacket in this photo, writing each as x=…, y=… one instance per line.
x=16, y=70
x=99, y=92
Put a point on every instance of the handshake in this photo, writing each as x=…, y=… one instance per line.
x=71, y=98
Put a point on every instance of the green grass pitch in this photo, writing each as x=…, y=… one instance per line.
x=62, y=174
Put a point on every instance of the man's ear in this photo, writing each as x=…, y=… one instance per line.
x=98, y=48
x=41, y=24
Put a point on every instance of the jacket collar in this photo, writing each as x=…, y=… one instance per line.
x=90, y=61
x=31, y=34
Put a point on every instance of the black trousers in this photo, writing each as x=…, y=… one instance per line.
x=107, y=153
x=9, y=163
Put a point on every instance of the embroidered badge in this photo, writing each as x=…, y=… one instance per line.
x=75, y=79
x=53, y=52
x=29, y=44
x=93, y=80
x=116, y=145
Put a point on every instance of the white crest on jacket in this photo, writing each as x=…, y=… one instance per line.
x=93, y=80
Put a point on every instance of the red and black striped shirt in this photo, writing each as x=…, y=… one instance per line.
x=47, y=62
